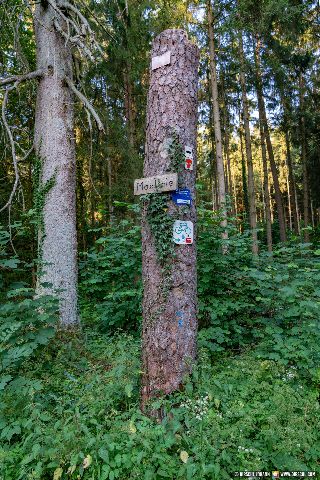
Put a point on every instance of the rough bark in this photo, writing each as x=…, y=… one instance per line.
x=262, y=110
x=247, y=136
x=169, y=300
x=305, y=182
x=54, y=143
x=216, y=119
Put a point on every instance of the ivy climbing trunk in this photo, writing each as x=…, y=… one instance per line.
x=54, y=143
x=169, y=270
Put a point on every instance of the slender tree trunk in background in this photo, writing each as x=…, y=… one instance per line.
x=227, y=144
x=263, y=115
x=266, y=190
x=289, y=203
x=297, y=208
x=312, y=211
x=170, y=294
x=54, y=143
x=266, y=185
x=263, y=209
x=129, y=110
x=235, y=197
x=216, y=119
x=243, y=173
x=295, y=219
x=246, y=121
x=81, y=194
x=213, y=167
x=305, y=181
x=110, y=199
x=286, y=115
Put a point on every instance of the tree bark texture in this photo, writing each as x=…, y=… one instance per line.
x=247, y=136
x=216, y=119
x=170, y=318
x=54, y=143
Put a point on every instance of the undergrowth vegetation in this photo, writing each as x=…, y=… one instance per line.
x=69, y=402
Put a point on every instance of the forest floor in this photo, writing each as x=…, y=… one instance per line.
x=84, y=421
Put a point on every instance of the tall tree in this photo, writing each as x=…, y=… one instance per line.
x=57, y=30
x=266, y=189
x=216, y=119
x=246, y=121
x=169, y=277
x=263, y=116
x=305, y=182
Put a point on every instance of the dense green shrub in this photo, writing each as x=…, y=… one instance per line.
x=110, y=275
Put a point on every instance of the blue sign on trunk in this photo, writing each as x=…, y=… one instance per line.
x=182, y=197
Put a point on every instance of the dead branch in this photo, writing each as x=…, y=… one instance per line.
x=86, y=103
x=74, y=9
x=74, y=40
x=85, y=23
x=68, y=20
x=22, y=78
x=13, y=150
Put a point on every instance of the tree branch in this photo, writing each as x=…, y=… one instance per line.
x=13, y=151
x=75, y=40
x=22, y=78
x=85, y=23
x=86, y=102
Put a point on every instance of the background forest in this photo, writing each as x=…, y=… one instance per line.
x=69, y=400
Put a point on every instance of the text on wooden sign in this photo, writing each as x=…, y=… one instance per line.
x=156, y=184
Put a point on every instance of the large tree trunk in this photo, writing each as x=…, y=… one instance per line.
x=216, y=120
x=263, y=116
x=246, y=121
x=54, y=142
x=170, y=289
x=305, y=181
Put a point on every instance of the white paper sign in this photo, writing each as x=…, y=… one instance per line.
x=188, y=154
x=183, y=232
x=161, y=60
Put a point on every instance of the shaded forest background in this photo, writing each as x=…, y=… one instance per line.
x=117, y=82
